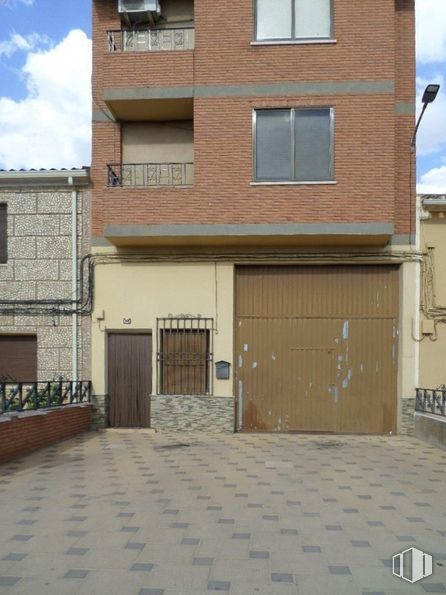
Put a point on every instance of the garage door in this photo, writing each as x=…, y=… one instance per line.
x=18, y=358
x=316, y=348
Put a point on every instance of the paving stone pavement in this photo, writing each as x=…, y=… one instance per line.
x=136, y=513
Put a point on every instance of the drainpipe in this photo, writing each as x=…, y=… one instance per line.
x=416, y=333
x=73, y=280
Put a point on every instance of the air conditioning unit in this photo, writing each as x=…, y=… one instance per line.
x=138, y=6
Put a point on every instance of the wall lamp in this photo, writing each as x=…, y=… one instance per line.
x=429, y=95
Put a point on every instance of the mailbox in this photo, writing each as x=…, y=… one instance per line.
x=222, y=370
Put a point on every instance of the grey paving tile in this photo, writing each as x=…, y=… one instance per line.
x=339, y=570
x=125, y=515
x=130, y=529
x=282, y=577
x=226, y=521
x=241, y=535
x=288, y=531
x=219, y=586
x=76, y=573
x=433, y=587
x=203, y=561
x=77, y=551
x=179, y=525
x=311, y=549
x=75, y=533
x=135, y=545
x=360, y=543
x=15, y=557
x=9, y=581
x=375, y=523
x=254, y=554
x=333, y=527
x=190, y=541
x=141, y=567
x=22, y=537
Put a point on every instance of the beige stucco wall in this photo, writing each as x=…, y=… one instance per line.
x=163, y=142
x=433, y=347
x=145, y=292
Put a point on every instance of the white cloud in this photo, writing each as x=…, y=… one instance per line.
x=431, y=30
x=433, y=182
x=431, y=135
x=14, y=3
x=51, y=126
x=17, y=42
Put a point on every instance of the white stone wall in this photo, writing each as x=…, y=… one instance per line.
x=39, y=267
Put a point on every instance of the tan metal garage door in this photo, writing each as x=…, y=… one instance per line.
x=317, y=348
x=18, y=358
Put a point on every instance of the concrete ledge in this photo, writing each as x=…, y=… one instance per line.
x=431, y=429
x=192, y=413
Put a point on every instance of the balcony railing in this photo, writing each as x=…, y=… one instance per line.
x=431, y=401
x=151, y=40
x=28, y=396
x=150, y=174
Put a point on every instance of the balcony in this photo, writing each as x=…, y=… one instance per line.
x=151, y=40
x=137, y=175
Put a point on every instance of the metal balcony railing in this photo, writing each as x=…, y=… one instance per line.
x=28, y=396
x=150, y=174
x=151, y=40
x=431, y=401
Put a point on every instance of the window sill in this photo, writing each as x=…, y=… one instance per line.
x=294, y=42
x=284, y=183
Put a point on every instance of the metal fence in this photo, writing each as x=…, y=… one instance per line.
x=431, y=401
x=151, y=40
x=28, y=396
x=150, y=174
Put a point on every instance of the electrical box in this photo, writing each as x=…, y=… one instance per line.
x=222, y=370
x=138, y=6
x=427, y=327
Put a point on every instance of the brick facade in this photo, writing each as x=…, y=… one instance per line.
x=21, y=434
x=374, y=44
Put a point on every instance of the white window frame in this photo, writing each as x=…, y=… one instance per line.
x=293, y=39
x=293, y=110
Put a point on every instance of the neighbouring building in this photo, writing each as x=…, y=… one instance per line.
x=253, y=220
x=44, y=234
x=432, y=333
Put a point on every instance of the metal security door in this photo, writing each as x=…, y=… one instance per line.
x=317, y=348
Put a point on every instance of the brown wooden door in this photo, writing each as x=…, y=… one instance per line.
x=129, y=379
x=18, y=358
x=317, y=348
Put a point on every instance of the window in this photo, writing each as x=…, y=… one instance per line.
x=293, y=19
x=3, y=234
x=293, y=145
x=184, y=356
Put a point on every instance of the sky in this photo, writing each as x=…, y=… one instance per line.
x=45, y=100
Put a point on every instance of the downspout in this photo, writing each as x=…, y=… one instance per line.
x=417, y=322
x=73, y=280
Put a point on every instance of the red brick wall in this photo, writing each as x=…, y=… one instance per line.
x=29, y=432
x=375, y=42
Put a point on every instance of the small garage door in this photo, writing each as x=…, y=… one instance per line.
x=18, y=358
x=316, y=348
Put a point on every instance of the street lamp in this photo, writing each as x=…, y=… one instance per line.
x=429, y=95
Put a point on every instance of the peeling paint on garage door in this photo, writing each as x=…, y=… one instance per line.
x=317, y=348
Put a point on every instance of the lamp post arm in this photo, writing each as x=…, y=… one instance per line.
x=414, y=137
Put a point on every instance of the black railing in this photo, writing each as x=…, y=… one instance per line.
x=431, y=401
x=151, y=40
x=150, y=174
x=28, y=396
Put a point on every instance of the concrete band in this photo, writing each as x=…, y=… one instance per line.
x=286, y=229
x=269, y=89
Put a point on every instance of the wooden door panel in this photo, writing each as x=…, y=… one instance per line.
x=129, y=379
